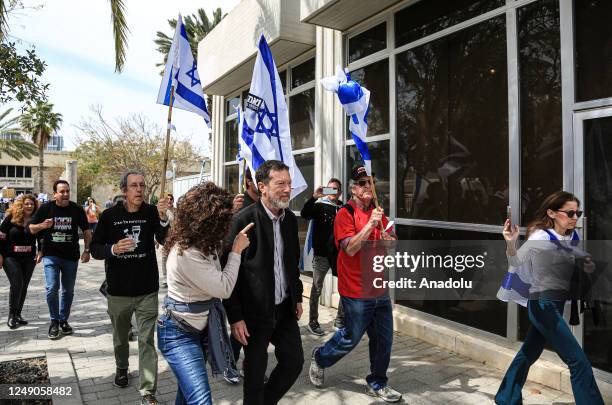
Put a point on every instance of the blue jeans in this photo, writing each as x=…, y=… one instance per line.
x=57, y=269
x=374, y=316
x=548, y=325
x=185, y=353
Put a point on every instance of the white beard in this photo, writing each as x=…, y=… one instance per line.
x=279, y=203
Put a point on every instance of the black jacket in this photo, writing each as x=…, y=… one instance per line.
x=253, y=297
x=323, y=226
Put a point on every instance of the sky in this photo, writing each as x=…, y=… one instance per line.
x=74, y=38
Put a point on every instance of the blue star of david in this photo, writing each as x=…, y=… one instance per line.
x=272, y=131
x=191, y=74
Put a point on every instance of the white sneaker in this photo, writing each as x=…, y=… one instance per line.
x=316, y=373
x=385, y=393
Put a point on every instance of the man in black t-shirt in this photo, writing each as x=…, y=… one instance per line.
x=58, y=222
x=125, y=239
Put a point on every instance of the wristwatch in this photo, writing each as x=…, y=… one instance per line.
x=86, y=251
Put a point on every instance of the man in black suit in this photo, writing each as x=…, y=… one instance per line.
x=267, y=301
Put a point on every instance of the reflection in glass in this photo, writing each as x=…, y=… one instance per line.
x=375, y=77
x=426, y=17
x=305, y=162
x=231, y=178
x=283, y=77
x=593, y=43
x=379, y=151
x=302, y=74
x=452, y=127
x=231, y=140
x=301, y=119
x=302, y=231
x=368, y=42
x=540, y=100
x=231, y=104
x=489, y=316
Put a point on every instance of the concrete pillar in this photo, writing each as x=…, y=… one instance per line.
x=71, y=178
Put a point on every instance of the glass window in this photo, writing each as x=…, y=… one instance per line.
x=489, y=316
x=426, y=17
x=244, y=96
x=283, y=77
x=231, y=140
x=452, y=127
x=302, y=232
x=302, y=74
x=301, y=119
x=375, y=77
x=540, y=100
x=231, y=105
x=10, y=171
x=367, y=43
x=19, y=171
x=231, y=178
x=28, y=172
x=305, y=162
x=593, y=43
x=2, y=171
x=379, y=152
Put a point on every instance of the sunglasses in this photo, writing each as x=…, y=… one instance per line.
x=571, y=213
x=363, y=183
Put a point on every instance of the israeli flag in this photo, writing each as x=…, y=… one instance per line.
x=265, y=131
x=181, y=72
x=356, y=103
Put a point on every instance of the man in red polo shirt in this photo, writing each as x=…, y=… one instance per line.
x=366, y=309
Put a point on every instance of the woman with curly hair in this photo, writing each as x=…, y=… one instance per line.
x=188, y=331
x=18, y=254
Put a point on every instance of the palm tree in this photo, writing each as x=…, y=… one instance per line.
x=120, y=32
x=197, y=26
x=11, y=141
x=40, y=122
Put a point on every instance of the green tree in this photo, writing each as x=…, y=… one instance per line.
x=40, y=122
x=197, y=26
x=11, y=142
x=20, y=75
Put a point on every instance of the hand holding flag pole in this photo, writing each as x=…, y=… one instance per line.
x=355, y=100
x=180, y=87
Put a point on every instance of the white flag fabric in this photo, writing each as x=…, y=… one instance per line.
x=239, y=157
x=181, y=72
x=265, y=131
x=355, y=100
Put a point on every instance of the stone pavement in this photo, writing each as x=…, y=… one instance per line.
x=425, y=374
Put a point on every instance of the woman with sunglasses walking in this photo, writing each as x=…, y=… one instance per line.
x=18, y=255
x=555, y=222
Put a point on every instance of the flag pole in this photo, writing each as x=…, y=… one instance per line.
x=163, y=178
x=243, y=185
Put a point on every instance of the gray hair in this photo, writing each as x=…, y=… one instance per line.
x=123, y=181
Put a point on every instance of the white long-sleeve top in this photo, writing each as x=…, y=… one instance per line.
x=192, y=276
x=551, y=268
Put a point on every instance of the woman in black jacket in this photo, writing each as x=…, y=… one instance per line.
x=18, y=254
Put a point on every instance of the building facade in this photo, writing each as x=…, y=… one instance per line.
x=475, y=105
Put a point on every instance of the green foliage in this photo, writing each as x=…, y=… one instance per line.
x=120, y=32
x=20, y=75
x=11, y=142
x=40, y=122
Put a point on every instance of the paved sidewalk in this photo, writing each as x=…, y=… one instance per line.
x=424, y=373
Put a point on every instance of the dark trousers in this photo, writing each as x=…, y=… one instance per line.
x=285, y=336
x=19, y=272
x=548, y=325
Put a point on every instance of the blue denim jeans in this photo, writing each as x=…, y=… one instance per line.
x=59, y=272
x=185, y=353
x=548, y=325
x=374, y=316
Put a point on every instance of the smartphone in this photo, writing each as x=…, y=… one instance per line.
x=509, y=214
x=329, y=190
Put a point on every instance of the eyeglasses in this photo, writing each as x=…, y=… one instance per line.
x=571, y=213
x=363, y=183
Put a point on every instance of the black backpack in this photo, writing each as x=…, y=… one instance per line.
x=332, y=249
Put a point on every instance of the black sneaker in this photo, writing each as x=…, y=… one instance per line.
x=315, y=328
x=66, y=328
x=148, y=399
x=12, y=321
x=20, y=320
x=121, y=378
x=54, y=332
